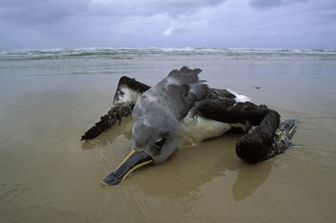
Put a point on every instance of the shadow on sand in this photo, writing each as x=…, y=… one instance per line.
x=190, y=167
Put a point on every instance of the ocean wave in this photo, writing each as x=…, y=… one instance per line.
x=131, y=53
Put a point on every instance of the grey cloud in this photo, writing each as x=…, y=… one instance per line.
x=43, y=11
x=47, y=13
x=169, y=23
x=34, y=12
x=148, y=7
x=272, y=3
x=265, y=3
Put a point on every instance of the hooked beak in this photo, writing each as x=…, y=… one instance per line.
x=134, y=160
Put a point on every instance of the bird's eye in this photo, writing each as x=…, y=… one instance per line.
x=159, y=143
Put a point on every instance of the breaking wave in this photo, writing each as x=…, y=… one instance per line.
x=132, y=53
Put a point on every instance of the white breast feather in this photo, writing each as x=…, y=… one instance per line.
x=239, y=97
x=196, y=129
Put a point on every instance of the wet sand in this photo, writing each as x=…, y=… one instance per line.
x=48, y=175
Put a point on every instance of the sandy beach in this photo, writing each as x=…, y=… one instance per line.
x=48, y=175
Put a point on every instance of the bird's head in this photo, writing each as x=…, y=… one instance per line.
x=155, y=139
x=156, y=136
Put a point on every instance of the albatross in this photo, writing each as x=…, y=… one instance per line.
x=182, y=104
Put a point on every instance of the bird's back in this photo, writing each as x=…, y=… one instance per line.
x=175, y=94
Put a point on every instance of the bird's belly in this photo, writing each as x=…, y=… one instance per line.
x=196, y=129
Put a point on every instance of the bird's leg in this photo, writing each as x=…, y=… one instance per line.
x=124, y=100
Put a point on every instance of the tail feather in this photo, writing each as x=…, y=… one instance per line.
x=289, y=126
x=284, y=135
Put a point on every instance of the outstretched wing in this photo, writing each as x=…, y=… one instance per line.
x=127, y=92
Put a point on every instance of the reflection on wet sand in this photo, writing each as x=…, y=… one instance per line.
x=188, y=169
x=109, y=137
x=250, y=177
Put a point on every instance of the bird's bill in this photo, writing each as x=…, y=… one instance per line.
x=134, y=160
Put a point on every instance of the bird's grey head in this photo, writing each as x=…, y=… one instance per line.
x=157, y=134
x=155, y=139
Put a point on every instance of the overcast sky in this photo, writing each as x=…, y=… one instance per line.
x=167, y=23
